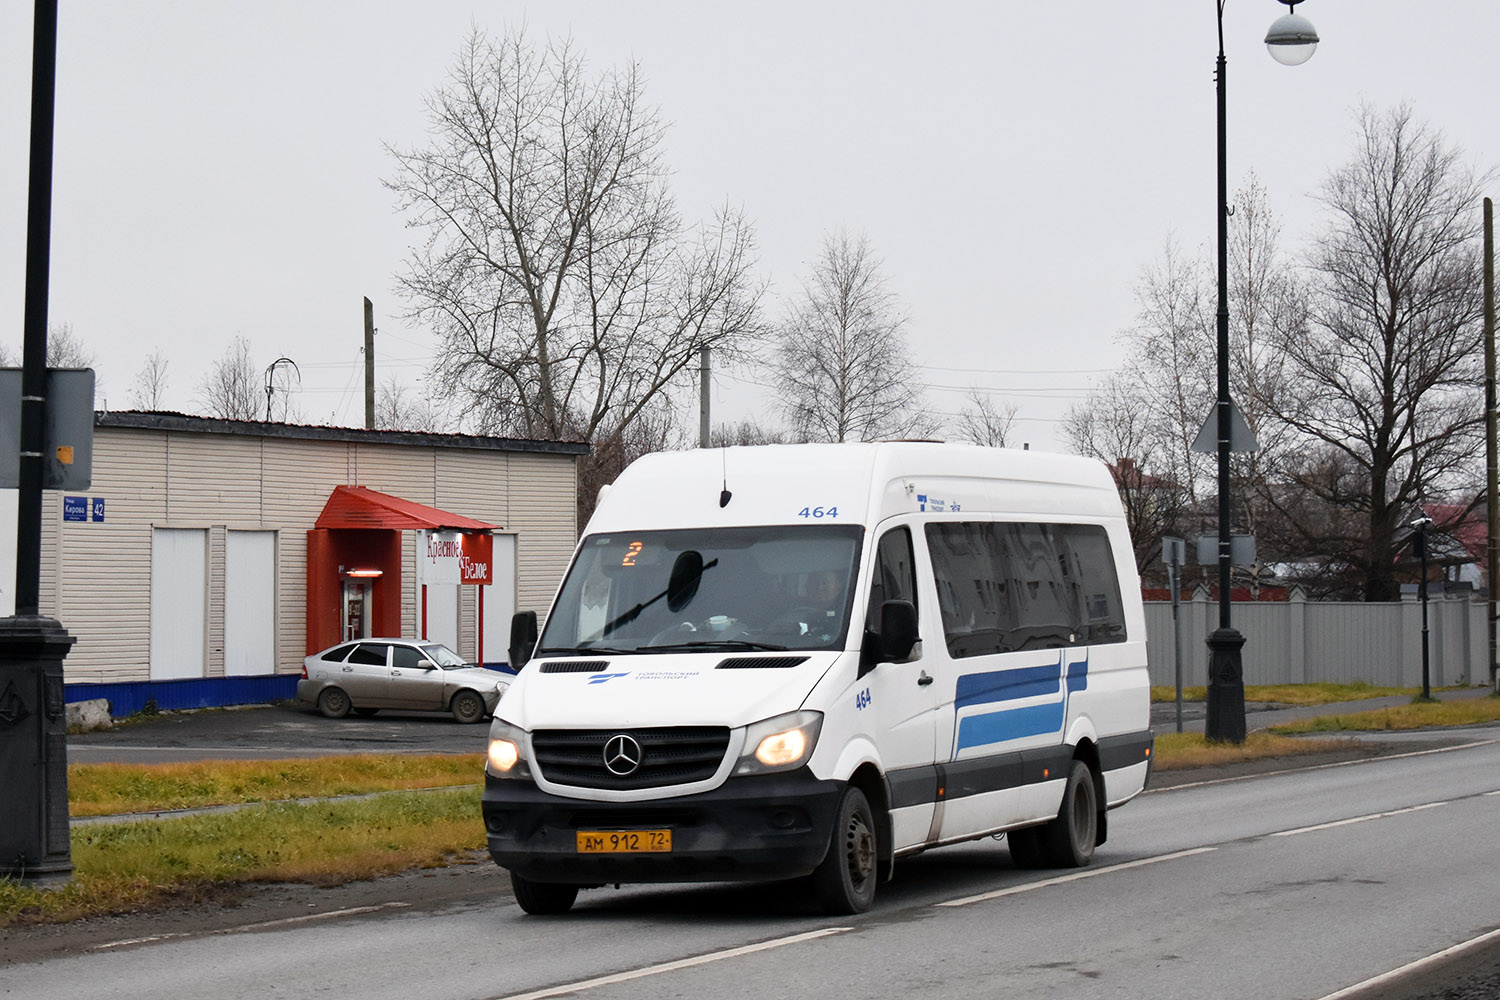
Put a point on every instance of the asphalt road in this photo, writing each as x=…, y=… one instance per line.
x=1302, y=883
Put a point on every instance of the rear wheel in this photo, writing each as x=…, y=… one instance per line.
x=467, y=707
x=1068, y=841
x=845, y=881
x=543, y=898
x=334, y=703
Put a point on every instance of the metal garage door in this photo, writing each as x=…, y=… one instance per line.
x=249, y=603
x=179, y=602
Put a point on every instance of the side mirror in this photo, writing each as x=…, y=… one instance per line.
x=522, y=638
x=896, y=638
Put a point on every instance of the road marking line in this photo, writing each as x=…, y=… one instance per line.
x=286, y=921
x=1418, y=965
x=1320, y=767
x=681, y=963
x=1090, y=873
x=1358, y=819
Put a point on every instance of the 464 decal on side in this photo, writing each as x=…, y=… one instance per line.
x=818, y=513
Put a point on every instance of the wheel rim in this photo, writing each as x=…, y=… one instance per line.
x=859, y=851
x=468, y=707
x=337, y=702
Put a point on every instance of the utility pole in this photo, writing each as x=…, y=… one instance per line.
x=703, y=380
x=1492, y=480
x=369, y=365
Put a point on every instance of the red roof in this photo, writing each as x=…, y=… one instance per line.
x=361, y=507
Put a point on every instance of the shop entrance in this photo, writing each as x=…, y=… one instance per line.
x=356, y=608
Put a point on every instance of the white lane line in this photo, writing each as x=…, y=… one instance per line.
x=681, y=963
x=1089, y=873
x=1358, y=819
x=1319, y=767
x=1420, y=964
x=263, y=925
x=1488, y=794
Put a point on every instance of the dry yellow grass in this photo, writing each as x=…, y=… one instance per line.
x=1176, y=751
x=1422, y=715
x=113, y=789
x=1290, y=694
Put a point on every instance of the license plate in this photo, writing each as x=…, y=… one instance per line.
x=624, y=841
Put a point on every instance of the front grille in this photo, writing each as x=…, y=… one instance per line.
x=678, y=755
x=574, y=666
x=760, y=662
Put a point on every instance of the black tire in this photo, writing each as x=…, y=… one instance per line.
x=1026, y=847
x=334, y=703
x=467, y=707
x=845, y=882
x=365, y=713
x=1068, y=841
x=543, y=898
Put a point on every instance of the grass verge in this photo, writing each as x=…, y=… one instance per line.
x=151, y=864
x=1178, y=751
x=1291, y=694
x=113, y=789
x=1466, y=712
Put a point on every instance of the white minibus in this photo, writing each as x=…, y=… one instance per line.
x=811, y=661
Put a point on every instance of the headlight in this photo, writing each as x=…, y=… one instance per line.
x=780, y=744
x=507, y=753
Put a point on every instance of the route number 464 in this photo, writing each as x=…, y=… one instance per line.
x=862, y=699
x=818, y=513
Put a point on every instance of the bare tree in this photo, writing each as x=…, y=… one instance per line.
x=842, y=369
x=1385, y=379
x=65, y=349
x=656, y=428
x=566, y=292
x=232, y=388
x=149, y=390
x=985, y=422
x=748, y=432
x=1112, y=426
x=396, y=408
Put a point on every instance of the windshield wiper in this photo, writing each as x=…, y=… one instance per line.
x=716, y=644
x=582, y=650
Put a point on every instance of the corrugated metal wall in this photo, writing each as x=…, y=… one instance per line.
x=1298, y=642
x=96, y=576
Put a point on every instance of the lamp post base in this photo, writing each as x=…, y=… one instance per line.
x=1226, y=687
x=34, y=839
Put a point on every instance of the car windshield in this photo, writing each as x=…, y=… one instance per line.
x=687, y=590
x=443, y=656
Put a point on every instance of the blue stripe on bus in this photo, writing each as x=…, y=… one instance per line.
x=1007, y=685
x=1010, y=724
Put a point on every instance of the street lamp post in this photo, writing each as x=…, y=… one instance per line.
x=1419, y=539
x=1291, y=40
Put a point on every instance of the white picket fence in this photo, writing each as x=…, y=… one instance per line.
x=1300, y=641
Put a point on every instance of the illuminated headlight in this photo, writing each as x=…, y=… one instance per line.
x=780, y=744
x=506, y=757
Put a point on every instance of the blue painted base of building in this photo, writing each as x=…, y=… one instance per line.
x=199, y=692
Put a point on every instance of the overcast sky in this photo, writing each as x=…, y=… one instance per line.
x=218, y=165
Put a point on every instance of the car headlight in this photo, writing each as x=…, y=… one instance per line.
x=507, y=753
x=780, y=744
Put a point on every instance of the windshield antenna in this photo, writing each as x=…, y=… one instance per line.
x=724, y=493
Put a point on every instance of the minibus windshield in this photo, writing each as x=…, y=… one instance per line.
x=696, y=589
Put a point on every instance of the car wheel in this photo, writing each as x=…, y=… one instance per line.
x=467, y=707
x=543, y=898
x=365, y=713
x=1025, y=847
x=1068, y=841
x=334, y=703
x=845, y=881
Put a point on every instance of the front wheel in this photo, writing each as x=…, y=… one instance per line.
x=845, y=881
x=1068, y=841
x=467, y=707
x=543, y=898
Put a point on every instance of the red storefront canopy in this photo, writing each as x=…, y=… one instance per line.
x=363, y=508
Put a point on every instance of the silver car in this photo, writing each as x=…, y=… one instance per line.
x=370, y=674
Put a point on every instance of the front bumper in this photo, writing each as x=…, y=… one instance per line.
x=754, y=828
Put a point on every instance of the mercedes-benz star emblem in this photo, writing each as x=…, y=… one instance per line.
x=622, y=755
